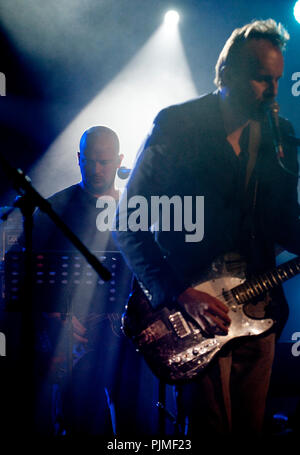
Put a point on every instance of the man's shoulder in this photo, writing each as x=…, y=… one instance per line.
x=190, y=112
x=206, y=99
x=65, y=196
x=64, y=192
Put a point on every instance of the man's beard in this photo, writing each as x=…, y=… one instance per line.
x=100, y=188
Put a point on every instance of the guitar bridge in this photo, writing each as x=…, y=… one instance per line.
x=179, y=324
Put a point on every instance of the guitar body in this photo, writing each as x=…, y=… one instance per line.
x=172, y=343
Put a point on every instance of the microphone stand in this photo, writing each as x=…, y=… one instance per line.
x=28, y=201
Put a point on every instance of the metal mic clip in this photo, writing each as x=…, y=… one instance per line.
x=123, y=172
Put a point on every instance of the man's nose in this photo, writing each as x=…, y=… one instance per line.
x=98, y=167
x=272, y=89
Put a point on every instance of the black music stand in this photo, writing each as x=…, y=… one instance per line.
x=61, y=280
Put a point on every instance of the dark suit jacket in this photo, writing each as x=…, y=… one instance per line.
x=187, y=154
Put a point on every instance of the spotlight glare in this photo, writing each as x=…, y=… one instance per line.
x=297, y=11
x=171, y=18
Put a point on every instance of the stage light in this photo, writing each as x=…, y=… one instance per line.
x=157, y=76
x=171, y=18
x=297, y=11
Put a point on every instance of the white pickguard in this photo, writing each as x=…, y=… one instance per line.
x=241, y=324
x=199, y=353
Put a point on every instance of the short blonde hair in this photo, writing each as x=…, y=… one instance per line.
x=258, y=29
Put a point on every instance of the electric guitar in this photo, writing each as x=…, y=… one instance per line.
x=173, y=344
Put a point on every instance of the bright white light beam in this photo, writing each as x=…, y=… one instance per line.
x=171, y=18
x=297, y=11
x=156, y=77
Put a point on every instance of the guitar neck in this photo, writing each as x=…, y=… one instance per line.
x=266, y=281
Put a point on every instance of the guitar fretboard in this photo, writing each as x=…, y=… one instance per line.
x=266, y=281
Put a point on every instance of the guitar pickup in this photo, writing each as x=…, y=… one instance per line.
x=179, y=324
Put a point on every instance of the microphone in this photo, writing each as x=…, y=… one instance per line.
x=274, y=123
x=123, y=172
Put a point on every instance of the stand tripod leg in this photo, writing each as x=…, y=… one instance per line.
x=161, y=407
x=68, y=398
x=181, y=419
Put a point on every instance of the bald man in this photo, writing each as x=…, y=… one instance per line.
x=99, y=160
x=95, y=306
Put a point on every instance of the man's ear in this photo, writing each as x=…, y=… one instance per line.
x=120, y=160
x=229, y=77
x=225, y=76
x=78, y=157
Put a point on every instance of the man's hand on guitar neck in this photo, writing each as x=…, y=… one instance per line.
x=208, y=312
